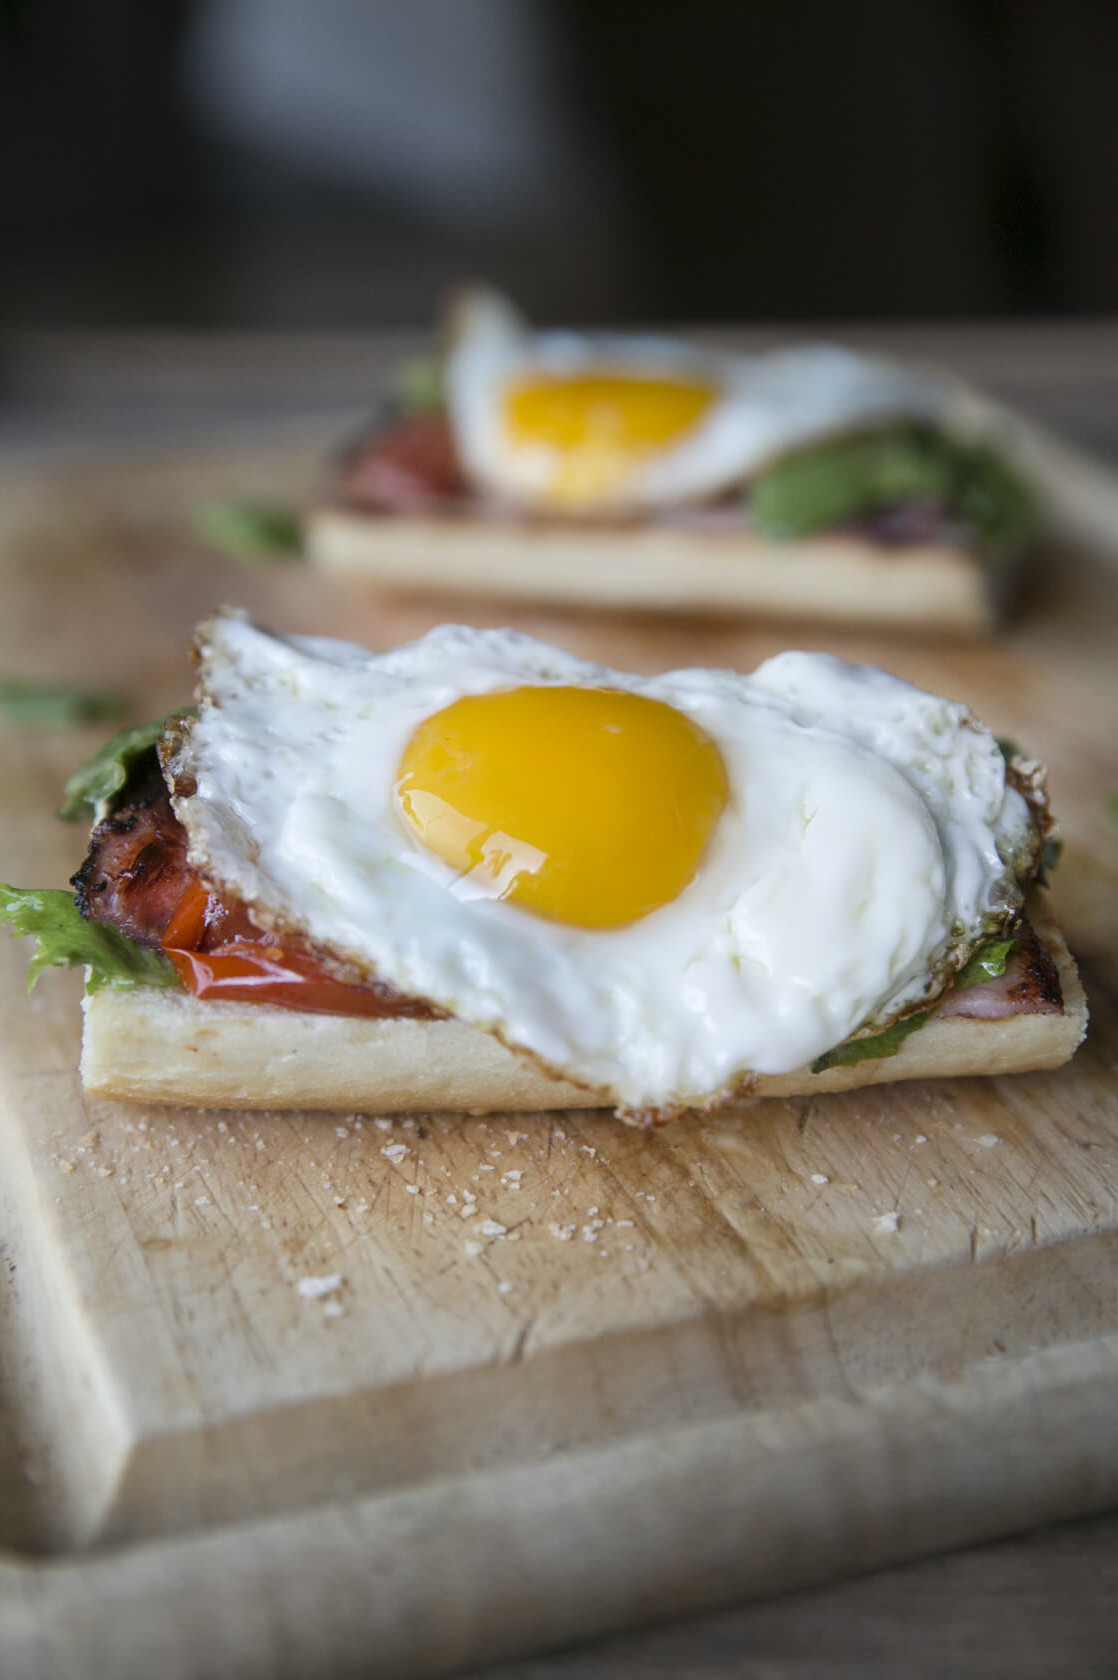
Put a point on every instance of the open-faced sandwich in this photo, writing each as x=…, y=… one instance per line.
x=479, y=873
x=809, y=481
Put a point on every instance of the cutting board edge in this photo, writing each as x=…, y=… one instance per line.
x=759, y=1507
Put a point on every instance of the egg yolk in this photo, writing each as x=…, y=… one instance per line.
x=585, y=805
x=601, y=425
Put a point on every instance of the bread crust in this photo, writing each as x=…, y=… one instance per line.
x=163, y=1046
x=834, y=577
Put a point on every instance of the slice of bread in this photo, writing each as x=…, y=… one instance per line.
x=838, y=577
x=153, y=1045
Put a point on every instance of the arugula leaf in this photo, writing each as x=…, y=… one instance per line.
x=840, y=479
x=66, y=940
x=248, y=531
x=987, y=963
x=418, y=384
x=1051, y=855
x=36, y=705
x=1112, y=809
x=1008, y=748
x=103, y=775
x=882, y=1044
x=828, y=483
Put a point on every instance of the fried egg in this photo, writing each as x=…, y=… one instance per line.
x=581, y=424
x=655, y=886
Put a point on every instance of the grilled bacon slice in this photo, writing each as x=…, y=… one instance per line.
x=136, y=870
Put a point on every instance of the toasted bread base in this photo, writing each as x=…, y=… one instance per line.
x=162, y=1046
x=834, y=577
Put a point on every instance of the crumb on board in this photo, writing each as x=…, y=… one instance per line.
x=314, y=1288
x=885, y=1224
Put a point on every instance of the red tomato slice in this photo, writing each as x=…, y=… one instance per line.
x=218, y=952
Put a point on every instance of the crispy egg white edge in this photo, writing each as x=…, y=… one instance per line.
x=980, y=841
x=769, y=403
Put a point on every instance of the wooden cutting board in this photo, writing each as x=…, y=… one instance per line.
x=294, y=1395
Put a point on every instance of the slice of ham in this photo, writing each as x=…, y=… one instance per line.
x=1029, y=986
x=410, y=466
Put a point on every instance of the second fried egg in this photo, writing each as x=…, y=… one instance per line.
x=577, y=423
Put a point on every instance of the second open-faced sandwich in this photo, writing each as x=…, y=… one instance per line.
x=479, y=873
x=598, y=468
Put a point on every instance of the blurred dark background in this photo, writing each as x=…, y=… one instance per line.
x=340, y=163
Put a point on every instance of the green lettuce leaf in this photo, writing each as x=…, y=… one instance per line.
x=987, y=963
x=103, y=775
x=250, y=532
x=64, y=939
x=1051, y=855
x=418, y=384
x=882, y=1044
x=840, y=479
x=35, y=705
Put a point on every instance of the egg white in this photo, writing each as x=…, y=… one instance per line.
x=868, y=841
x=766, y=405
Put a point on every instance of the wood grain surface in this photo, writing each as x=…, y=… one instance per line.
x=646, y=1375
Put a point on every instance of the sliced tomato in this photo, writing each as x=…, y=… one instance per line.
x=218, y=952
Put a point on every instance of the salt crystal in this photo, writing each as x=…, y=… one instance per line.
x=886, y=1223
x=472, y=1248
x=395, y=1152
x=490, y=1228
x=989, y=1139
x=820, y=1178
